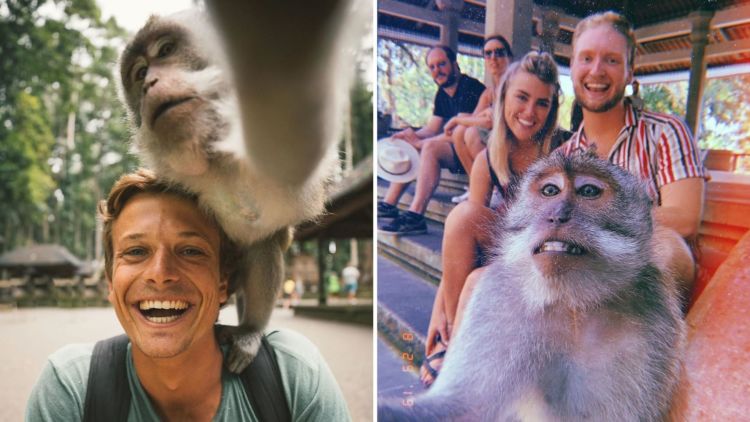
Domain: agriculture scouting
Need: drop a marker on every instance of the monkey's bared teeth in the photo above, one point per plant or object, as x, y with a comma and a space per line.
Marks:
558, 246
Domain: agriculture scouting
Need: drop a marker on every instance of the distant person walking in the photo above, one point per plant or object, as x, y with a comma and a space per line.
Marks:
351, 280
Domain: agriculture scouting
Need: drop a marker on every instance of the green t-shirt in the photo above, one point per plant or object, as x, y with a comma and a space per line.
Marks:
310, 388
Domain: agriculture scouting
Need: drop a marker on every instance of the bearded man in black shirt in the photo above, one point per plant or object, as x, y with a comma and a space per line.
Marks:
457, 93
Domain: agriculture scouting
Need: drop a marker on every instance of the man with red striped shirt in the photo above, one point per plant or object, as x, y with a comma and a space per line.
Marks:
656, 146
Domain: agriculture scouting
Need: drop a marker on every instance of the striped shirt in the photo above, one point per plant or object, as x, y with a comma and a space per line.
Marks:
656, 146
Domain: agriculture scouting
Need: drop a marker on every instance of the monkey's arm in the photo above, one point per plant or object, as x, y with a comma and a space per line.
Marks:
682, 206
285, 60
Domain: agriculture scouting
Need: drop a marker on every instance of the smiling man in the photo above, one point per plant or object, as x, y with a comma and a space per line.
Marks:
655, 146
169, 267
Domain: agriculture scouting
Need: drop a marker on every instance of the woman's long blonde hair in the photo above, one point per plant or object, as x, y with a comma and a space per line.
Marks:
543, 66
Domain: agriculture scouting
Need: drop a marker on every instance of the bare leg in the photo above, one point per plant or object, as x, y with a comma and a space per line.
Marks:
462, 150
394, 192
467, 232
436, 154
474, 144
471, 283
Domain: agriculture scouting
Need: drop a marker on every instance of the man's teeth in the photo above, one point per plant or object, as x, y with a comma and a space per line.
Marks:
162, 320
162, 311
162, 304
597, 87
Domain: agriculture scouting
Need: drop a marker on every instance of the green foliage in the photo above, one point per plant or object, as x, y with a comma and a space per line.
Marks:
361, 120
725, 114
24, 174
54, 72
670, 99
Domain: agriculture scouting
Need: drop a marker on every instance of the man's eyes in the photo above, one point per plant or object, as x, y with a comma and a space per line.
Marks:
136, 251
191, 251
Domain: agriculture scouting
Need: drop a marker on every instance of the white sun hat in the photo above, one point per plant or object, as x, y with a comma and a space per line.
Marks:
398, 161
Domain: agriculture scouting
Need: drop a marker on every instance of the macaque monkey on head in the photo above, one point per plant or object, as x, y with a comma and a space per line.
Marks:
249, 125
573, 320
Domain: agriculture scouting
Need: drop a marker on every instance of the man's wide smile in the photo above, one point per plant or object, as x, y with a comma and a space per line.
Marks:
163, 311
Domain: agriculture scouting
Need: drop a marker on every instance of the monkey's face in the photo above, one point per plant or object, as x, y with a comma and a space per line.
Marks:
171, 82
166, 284
576, 219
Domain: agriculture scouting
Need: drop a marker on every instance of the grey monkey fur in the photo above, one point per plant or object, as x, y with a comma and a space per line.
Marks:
598, 342
193, 127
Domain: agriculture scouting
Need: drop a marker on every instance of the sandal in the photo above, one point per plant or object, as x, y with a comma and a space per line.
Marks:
429, 366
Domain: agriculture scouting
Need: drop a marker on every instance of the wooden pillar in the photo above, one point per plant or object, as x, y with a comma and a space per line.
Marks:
451, 18
323, 283
701, 21
513, 20
550, 28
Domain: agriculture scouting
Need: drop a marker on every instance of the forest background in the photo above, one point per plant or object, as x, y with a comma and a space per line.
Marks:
64, 136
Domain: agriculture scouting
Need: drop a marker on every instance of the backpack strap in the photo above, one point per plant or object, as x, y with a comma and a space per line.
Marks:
108, 389
263, 386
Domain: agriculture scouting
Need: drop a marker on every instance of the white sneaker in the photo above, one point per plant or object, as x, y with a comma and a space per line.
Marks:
496, 199
461, 198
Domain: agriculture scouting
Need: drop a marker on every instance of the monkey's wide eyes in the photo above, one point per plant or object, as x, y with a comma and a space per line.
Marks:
166, 49
589, 191
140, 73
550, 190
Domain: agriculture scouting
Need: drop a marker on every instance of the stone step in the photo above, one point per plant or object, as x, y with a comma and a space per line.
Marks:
437, 209
421, 253
404, 309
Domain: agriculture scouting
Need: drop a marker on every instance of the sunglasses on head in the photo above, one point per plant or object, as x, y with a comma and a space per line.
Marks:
498, 53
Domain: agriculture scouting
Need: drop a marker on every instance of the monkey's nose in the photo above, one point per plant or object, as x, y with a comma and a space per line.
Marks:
149, 83
560, 213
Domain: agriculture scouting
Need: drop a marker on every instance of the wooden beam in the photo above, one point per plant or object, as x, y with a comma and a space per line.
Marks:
669, 29
423, 40
732, 16
683, 55
562, 50
567, 22
432, 17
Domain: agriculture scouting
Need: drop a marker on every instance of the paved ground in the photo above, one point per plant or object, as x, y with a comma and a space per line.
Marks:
28, 336
394, 377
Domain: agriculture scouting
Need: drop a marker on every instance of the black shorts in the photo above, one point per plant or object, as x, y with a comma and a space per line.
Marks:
459, 168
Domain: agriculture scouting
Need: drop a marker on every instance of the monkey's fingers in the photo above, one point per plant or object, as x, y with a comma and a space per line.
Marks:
245, 347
